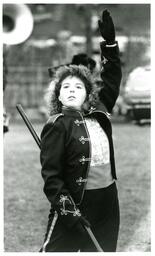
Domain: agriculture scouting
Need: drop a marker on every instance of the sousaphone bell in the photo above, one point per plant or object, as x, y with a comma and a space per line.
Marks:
17, 23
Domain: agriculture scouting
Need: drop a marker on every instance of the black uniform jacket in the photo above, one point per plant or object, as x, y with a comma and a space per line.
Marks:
66, 147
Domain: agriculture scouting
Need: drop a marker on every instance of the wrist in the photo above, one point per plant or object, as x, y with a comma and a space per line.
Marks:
110, 42
111, 45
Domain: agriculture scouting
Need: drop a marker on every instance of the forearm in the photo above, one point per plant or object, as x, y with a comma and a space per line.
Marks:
110, 73
111, 67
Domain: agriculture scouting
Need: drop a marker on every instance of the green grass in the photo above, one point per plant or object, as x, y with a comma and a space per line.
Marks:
26, 208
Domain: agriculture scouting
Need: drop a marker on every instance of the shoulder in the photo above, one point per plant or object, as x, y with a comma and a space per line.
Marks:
52, 119
53, 123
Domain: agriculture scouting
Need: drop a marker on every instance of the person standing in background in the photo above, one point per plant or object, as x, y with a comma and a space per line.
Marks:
5, 72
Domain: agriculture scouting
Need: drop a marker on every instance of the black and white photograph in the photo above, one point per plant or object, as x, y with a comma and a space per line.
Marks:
76, 126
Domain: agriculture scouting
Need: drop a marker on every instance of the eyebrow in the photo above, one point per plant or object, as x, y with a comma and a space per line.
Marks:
80, 83
70, 83
65, 83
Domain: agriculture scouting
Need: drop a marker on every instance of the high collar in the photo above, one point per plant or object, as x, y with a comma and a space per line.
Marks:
75, 113
71, 112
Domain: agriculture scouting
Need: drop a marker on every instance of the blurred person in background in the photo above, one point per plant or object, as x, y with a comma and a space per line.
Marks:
85, 60
5, 121
5, 72
77, 154
63, 48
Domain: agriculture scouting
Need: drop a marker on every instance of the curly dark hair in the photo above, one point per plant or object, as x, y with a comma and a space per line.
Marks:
79, 71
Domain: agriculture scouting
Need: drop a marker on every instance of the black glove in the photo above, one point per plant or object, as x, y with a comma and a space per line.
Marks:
106, 27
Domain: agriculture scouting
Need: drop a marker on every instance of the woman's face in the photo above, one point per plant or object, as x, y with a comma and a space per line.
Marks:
72, 92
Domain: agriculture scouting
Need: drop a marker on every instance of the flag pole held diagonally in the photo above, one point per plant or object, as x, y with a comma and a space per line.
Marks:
36, 138
28, 124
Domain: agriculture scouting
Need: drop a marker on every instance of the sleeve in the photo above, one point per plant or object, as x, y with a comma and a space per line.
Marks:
52, 158
111, 75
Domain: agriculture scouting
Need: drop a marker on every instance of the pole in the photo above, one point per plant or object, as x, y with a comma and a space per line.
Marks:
35, 136
28, 124
94, 240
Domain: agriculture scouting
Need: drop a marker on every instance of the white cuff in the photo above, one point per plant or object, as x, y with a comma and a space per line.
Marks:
111, 45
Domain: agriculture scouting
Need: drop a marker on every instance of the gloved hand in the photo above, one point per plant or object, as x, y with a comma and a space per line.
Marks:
106, 27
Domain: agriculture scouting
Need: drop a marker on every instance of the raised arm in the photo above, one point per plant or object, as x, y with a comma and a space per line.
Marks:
111, 68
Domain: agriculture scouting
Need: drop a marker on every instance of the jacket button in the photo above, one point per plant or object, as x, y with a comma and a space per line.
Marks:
78, 122
80, 181
83, 140
83, 159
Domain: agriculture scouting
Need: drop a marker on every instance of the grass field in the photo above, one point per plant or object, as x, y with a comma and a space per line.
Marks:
26, 208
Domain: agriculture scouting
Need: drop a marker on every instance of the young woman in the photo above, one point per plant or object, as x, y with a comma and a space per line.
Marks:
77, 154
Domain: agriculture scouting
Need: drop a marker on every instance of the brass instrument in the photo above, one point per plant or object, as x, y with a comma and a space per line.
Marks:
17, 23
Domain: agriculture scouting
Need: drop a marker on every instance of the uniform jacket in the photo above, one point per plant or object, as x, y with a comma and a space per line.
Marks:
66, 146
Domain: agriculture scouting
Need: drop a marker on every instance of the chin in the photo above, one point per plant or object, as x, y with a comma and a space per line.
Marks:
71, 106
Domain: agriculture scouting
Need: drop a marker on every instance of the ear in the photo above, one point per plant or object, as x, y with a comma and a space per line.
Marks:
85, 106
59, 98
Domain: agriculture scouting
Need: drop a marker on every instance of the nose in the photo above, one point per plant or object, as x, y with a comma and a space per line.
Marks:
72, 90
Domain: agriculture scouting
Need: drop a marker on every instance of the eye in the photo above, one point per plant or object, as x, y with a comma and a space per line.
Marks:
65, 86
79, 86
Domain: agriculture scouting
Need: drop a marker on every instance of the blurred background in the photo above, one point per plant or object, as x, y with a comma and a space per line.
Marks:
43, 36
61, 31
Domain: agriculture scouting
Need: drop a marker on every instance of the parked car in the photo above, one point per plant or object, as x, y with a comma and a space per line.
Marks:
137, 94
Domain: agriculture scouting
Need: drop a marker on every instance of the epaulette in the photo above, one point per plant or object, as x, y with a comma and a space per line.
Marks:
53, 118
108, 115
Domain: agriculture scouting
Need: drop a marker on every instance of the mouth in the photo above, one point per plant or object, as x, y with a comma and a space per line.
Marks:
71, 97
